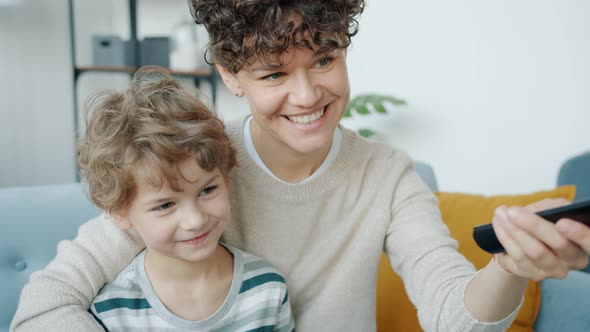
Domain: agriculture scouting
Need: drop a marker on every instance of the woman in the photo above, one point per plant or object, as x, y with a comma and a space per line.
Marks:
318, 201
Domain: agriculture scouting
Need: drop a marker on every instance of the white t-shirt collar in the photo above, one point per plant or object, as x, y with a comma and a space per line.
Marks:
334, 149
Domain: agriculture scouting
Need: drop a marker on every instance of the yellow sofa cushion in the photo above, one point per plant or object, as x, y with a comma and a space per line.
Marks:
461, 212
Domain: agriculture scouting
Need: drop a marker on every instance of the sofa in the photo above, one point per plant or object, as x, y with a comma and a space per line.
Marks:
35, 218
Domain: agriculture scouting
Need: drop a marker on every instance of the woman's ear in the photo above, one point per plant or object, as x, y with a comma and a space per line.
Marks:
121, 220
191, 8
230, 80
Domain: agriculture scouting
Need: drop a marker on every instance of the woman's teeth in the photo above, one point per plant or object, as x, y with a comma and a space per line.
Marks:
307, 119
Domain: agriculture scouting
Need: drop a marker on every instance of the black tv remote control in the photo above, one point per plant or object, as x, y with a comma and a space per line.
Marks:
486, 239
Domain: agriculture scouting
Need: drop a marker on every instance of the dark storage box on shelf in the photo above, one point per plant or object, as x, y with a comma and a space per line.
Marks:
112, 51
155, 51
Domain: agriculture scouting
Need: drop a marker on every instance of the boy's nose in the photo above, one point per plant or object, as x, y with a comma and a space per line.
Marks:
304, 92
193, 218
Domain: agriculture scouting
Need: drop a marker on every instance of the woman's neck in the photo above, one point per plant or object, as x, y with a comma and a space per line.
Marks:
285, 163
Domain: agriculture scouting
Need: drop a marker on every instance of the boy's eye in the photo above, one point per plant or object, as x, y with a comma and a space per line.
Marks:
273, 76
324, 62
207, 191
163, 207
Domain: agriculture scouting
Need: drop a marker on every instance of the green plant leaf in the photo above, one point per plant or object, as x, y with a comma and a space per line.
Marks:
367, 133
379, 108
347, 113
360, 100
360, 104
362, 109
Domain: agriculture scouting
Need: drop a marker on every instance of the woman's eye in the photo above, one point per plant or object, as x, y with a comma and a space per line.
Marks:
163, 207
324, 62
207, 191
273, 76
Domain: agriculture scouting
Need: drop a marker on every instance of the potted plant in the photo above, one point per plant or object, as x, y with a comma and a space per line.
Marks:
368, 104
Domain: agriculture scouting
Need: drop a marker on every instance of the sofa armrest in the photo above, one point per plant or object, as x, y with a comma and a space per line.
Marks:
426, 173
34, 220
564, 304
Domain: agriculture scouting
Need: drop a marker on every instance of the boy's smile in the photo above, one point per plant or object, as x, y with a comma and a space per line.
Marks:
181, 225
197, 240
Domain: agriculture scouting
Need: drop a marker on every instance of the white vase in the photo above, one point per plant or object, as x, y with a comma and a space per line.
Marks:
187, 52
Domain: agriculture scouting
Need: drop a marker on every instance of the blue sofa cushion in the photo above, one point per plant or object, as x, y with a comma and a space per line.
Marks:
34, 220
576, 170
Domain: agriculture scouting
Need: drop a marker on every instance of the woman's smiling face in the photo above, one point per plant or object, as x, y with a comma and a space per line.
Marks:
298, 104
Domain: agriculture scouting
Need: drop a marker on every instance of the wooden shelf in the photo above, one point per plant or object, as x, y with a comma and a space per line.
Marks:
204, 74
131, 70
105, 69
195, 73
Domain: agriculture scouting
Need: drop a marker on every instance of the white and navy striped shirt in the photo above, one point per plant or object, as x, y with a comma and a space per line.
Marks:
257, 301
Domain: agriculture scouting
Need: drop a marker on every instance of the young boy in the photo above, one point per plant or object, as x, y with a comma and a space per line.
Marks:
157, 160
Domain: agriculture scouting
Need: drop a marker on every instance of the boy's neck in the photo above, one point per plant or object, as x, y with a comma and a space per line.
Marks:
191, 291
169, 269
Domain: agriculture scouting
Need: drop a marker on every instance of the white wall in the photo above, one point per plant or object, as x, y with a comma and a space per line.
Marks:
35, 89
496, 89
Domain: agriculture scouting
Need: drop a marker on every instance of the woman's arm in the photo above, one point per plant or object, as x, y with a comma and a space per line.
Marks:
494, 293
435, 274
58, 297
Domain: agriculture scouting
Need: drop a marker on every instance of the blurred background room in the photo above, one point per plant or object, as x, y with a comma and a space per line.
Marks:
497, 92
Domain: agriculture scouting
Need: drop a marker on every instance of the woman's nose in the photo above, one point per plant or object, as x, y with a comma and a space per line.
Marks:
305, 93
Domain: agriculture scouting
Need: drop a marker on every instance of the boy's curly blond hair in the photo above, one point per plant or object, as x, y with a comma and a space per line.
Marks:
146, 131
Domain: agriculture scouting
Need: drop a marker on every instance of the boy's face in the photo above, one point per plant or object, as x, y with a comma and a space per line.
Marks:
183, 225
298, 105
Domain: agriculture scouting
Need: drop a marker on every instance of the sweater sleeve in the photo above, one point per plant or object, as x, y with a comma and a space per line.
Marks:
422, 252
57, 298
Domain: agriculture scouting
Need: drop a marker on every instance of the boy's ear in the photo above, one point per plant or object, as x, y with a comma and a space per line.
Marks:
121, 220
230, 80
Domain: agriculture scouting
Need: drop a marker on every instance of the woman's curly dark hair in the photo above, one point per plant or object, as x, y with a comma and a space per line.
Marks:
243, 30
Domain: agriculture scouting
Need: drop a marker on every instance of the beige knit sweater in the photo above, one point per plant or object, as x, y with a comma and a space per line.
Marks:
325, 235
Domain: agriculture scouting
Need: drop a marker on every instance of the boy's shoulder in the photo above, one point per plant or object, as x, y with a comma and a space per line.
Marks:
256, 269
126, 282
